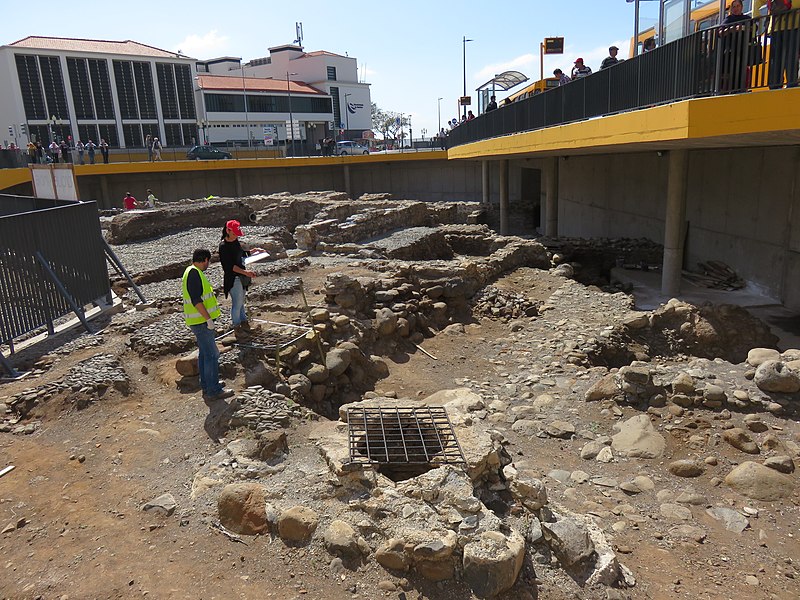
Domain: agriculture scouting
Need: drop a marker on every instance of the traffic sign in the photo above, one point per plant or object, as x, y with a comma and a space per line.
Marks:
554, 45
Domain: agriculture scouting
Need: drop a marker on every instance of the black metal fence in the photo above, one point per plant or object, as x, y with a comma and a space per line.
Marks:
51, 261
751, 54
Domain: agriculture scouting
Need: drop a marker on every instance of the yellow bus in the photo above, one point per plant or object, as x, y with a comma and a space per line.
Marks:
536, 87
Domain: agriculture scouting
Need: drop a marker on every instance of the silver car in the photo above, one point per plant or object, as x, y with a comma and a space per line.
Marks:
348, 147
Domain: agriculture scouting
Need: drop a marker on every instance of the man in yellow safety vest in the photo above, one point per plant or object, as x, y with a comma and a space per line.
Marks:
200, 308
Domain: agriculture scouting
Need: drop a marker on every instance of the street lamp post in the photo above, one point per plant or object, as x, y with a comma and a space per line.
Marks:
440, 115
347, 111
465, 72
291, 116
410, 134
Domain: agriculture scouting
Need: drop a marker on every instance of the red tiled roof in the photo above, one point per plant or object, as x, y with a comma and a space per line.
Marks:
255, 84
128, 47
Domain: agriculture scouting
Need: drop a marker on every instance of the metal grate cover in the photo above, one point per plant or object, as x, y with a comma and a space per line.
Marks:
276, 336
403, 436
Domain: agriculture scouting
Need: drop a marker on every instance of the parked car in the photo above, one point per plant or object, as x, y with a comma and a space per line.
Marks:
207, 153
348, 147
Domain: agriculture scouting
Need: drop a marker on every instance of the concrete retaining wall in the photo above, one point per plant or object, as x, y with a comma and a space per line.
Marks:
432, 180
743, 208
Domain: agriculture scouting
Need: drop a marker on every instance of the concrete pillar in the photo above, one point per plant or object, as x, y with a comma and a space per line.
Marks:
504, 197
105, 193
347, 188
675, 220
551, 197
487, 199
238, 175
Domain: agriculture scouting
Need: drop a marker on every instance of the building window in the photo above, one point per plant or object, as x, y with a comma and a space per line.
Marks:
173, 131
101, 89
109, 134
190, 136
126, 92
53, 85
133, 135
185, 84
88, 132
32, 99
145, 92
39, 133
81, 89
337, 113
331, 73
224, 103
166, 89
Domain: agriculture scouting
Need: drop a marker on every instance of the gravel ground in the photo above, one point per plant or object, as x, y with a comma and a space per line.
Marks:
174, 248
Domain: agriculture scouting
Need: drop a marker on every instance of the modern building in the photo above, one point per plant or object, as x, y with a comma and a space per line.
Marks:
121, 91
289, 70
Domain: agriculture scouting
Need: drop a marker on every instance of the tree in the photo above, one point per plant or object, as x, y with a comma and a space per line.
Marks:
386, 124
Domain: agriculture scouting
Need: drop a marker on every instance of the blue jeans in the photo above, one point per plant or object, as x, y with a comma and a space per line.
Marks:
237, 303
208, 363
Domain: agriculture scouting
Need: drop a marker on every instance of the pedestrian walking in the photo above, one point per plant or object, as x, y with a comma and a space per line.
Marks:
104, 150
148, 143
156, 149
90, 150
200, 310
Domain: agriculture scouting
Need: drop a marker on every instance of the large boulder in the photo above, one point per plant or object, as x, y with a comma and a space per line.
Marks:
241, 508
493, 562
775, 376
637, 438
569, 540
741, 440
341, 540
759, 482
297, 524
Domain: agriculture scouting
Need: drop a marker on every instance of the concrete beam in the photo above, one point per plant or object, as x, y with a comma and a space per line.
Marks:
238, 176
551, 197
675, 222
504, 197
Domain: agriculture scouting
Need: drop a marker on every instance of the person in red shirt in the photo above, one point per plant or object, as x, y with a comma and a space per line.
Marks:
129, 201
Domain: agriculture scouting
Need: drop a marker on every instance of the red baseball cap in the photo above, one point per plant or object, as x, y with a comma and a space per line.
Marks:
235, 227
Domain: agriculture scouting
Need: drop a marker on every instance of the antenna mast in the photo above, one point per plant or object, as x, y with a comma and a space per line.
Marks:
298, 27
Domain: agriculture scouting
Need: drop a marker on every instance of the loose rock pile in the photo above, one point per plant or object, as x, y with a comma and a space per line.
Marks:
84, 383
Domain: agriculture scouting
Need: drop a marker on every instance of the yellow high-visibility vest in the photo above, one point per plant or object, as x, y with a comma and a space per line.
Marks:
190, 313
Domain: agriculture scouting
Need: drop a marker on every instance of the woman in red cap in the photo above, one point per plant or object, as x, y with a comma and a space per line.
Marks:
237, 278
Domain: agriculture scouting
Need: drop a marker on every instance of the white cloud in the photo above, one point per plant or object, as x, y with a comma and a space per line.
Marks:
210, 45
524, 63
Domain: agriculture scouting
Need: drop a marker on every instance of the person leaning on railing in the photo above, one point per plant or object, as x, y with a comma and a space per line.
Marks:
735, 41
784, 34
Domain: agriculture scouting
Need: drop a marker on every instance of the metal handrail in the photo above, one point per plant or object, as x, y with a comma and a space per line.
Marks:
729, 59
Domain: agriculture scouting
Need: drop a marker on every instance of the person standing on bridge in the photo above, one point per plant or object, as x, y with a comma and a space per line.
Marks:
200, 310
784, 35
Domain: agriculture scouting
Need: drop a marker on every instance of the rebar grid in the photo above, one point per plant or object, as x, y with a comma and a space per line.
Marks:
402, 436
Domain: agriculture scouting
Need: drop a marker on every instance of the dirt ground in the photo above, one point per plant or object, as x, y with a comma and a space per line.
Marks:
74, 527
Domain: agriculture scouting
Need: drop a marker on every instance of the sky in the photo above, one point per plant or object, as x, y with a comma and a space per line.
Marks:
409, 52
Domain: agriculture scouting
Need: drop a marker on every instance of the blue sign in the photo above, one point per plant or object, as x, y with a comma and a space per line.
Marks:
397, 121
